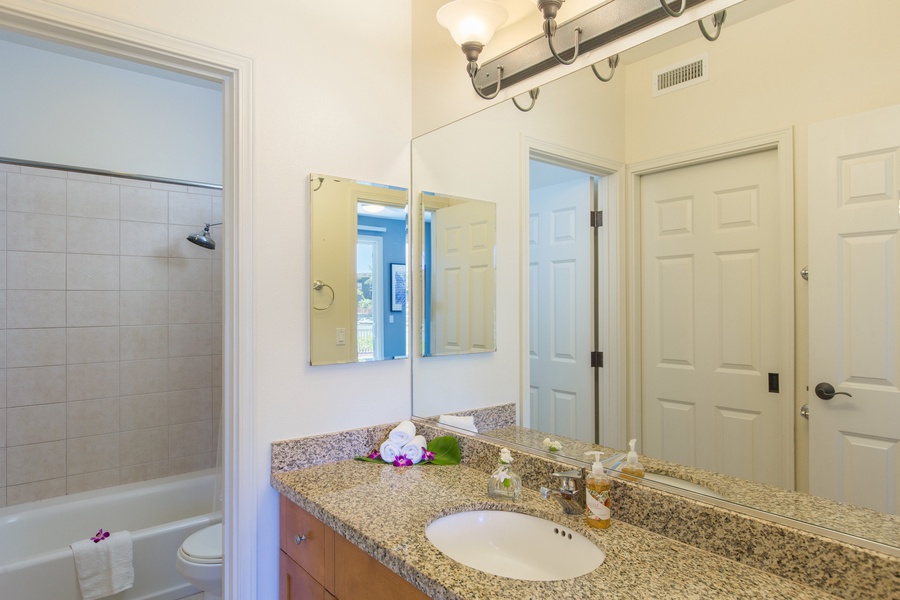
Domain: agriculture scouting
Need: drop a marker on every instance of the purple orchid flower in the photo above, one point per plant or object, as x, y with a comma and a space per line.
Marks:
374, 455
427, 455
402, 461
101, 535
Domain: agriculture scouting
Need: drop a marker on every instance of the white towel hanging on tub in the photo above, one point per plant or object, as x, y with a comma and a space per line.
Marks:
104, 567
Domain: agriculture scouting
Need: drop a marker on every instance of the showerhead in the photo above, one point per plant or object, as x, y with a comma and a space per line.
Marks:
201, 238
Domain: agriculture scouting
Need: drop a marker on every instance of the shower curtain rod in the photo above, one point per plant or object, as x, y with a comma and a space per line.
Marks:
42, 165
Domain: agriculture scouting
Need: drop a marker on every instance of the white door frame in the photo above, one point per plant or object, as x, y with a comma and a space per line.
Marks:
106, 36
610, 317
378, 278
782, 142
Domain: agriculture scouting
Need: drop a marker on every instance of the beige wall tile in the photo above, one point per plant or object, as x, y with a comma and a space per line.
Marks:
186, 464
191, 340
91, 381
143, 204
144, 239
190, 307
3, 179
143, 472
35, 347
3, 257
143, 376
144, 308
216, 402
35, 270
36, 194
92, 236
169, 187
34, 232
35, 424
92, 417
144, 273
217, 275
94, 453
3, 436
73, 176
190, 373
143, 342
92, 272
35, 385
91, 481
186, 439
92, 344
35, 462
35, 308
217, 369
189, 209
39, 490
3, 378
3, 470
92, 309
141, 412
190, 274
190, 405
143, 446
92, 199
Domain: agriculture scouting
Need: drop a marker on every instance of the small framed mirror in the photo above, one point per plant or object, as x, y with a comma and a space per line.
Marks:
458, 275
358, 248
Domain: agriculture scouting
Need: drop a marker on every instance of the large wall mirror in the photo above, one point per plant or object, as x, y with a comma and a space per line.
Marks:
358, 249
458, 276
706, 361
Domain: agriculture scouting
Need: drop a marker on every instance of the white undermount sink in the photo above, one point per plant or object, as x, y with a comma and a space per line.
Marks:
514, 545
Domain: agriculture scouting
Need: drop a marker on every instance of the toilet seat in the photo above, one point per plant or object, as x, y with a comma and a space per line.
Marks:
203, 547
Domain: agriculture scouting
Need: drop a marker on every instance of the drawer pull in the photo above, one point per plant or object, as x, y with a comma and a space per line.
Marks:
299, 538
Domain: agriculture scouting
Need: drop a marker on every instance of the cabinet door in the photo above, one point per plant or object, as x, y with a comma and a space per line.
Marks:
296, 584
314, 549
358, 575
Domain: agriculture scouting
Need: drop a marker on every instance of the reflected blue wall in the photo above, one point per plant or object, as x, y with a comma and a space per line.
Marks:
393, 251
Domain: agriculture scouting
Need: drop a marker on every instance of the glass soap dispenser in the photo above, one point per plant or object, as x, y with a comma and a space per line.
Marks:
632, 470
596, 495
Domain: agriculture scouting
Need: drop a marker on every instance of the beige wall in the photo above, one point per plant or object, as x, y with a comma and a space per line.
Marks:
804, 62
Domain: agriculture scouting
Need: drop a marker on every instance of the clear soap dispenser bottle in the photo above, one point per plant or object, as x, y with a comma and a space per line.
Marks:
597, 486
632, 469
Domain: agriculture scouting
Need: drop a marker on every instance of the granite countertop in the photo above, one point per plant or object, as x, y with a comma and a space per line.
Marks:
385, 510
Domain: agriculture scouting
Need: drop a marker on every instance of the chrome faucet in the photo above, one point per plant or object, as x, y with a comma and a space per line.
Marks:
567, 495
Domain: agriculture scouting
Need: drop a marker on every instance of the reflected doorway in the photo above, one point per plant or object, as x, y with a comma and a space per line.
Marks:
369, 282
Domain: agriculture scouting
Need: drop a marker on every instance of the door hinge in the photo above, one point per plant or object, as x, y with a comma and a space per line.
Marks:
596, 359
596, 218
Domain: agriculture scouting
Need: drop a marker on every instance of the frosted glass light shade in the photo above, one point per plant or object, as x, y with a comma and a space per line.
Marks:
472, 20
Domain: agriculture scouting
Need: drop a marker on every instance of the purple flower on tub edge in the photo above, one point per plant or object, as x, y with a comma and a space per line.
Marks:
101, 535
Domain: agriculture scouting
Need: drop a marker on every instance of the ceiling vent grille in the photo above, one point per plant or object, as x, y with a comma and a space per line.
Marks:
681, 75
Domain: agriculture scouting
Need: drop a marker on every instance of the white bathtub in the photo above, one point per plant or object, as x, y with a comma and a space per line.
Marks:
35, 559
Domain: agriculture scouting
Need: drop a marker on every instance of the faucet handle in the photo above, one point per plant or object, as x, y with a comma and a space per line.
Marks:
568, 480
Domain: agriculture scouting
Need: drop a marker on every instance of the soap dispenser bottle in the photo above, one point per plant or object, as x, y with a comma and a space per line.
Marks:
632, 470
597, 486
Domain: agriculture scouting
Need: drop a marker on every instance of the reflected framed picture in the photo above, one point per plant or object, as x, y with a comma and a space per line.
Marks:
398, 287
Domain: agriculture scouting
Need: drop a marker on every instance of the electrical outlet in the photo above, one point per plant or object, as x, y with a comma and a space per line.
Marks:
341, 336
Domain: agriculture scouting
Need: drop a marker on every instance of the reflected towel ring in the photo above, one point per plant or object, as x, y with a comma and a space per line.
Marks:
613, 63
533, 94
318, 284
718, 20
670, 11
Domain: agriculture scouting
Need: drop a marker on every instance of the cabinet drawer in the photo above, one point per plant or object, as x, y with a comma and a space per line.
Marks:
308, 542
297, 584
361, 576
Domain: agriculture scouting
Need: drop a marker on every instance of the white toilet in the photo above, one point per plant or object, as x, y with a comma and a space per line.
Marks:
200, 561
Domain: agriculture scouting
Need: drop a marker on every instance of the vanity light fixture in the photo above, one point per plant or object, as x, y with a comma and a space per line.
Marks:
472, 24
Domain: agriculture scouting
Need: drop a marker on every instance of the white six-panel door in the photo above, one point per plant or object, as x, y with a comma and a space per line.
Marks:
854, 308
463, 281
560, 311
711, 317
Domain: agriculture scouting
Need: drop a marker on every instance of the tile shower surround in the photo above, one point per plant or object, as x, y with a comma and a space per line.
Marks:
110, 332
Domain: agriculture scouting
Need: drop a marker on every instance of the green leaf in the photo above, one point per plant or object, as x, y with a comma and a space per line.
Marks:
367, 459
446, 450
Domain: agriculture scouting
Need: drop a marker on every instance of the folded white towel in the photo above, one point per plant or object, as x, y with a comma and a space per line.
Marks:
467, 423
389, 451
402, 433
104, 568
413, 450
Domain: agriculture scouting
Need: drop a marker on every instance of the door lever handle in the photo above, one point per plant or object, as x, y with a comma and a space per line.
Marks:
825, 391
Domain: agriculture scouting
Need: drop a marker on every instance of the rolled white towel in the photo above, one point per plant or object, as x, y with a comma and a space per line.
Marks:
402, 433
467, 423
413, 450
104, 567
389, 451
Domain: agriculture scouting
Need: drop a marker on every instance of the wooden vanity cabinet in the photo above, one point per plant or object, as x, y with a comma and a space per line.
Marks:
318, 564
